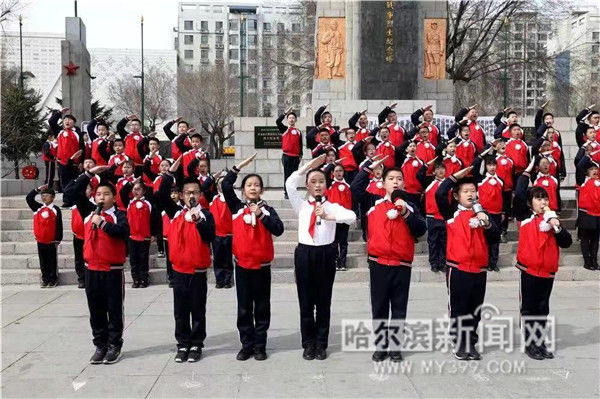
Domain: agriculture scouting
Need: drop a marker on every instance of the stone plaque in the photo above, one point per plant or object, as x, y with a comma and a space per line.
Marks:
267, 137
331, 49
435, 48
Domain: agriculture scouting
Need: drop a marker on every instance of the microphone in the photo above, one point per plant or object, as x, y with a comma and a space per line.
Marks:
98, 211
398, 194
477, 208
548, 215
193, 204
252, 215
318, 200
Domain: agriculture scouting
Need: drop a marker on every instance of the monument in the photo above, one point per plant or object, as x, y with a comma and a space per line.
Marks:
372, 53
75, 79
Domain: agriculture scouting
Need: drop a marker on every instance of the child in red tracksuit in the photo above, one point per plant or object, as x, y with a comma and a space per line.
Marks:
436, 228
221, 245
128, 177
48, 231
540, 237
78, 230
588, 212
410, 165
104, 250
550, 183
393, 225
254, 225
118, 158
49, 157
339, 193
505, 169
190, 233
489, 190
466, 258
166, 225
517, 150
139, 211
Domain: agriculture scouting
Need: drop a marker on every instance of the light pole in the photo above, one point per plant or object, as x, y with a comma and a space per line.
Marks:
21, 50
143, 105
242, 62
506, 40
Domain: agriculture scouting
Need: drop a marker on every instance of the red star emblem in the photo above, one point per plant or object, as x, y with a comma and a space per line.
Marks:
71, 68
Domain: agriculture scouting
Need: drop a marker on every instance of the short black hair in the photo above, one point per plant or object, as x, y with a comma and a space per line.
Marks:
490, 160
112, 188
260, 180
118, 139
325, 113
190, 180
594, 112
292, 113
461, 182
509, 113
439, 164
536, 192
198, 135
513, 125
184, 122
154, 139
91, 159
393, 169
102, 124
315, 170
324, 129
546, 114
48, 190
334, 152
69, 116
136, 120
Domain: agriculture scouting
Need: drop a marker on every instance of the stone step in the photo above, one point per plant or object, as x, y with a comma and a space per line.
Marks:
419, 274
283, 261
281, 247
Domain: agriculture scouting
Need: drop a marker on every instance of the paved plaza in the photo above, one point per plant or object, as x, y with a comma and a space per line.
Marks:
46, 344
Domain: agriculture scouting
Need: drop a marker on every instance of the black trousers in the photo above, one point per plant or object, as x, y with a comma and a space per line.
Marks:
253, 288
589, 243
290, 165
436, 241
160, 242
79, 262
415, 200
506, 209
139, 253
466, 292
67, 173
535, 305
189, 294
341, 243
48, 262
314, 268
105, 293
169, 264
50, 171
493, 241
222, 259
389, 290
349, 176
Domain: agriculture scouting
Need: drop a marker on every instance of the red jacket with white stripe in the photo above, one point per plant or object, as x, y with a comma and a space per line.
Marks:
386, 148
291, 142
466, 248
453, 164
77, 223
517, 150
465, 151
477, 135
68, 144
410, 167
589, 197
223, 219
96, 154
339, 193
375, 187
345, 151
117, 159
105, 248
489, 191
505, 170
119, 186
47, 220
390, 236
131, 150
426, 152
431, 208
188, 251
550, 184
138, 216
396, 135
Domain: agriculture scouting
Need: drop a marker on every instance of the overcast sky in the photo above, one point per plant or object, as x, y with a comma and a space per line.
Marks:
109, 23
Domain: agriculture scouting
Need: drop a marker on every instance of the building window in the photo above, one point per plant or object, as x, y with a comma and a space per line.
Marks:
267, 42
234, 54
234, 69
252, 54
204, 39
252, 40
219, 26
267, 27
280, 99
252, 24
188, 25
252, 69
188, 54
217, 9
252, 83
595, 49
296, 27
204, 54
280, 27
188, 39
233, 40
595, 35
219, 40
233, 24
219, 55
189, 68
204, 26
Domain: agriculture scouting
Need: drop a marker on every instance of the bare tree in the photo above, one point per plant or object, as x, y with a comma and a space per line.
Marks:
290, 54
159, 90
209, 96
8, 11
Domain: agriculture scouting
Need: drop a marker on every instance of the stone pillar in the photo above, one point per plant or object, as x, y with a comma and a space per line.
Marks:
76, 81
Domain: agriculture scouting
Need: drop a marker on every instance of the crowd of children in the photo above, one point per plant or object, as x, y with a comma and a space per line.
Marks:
460, 189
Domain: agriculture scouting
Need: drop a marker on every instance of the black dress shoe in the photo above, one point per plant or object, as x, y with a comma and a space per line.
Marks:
170, 284
462, 354
219, 285
320, 353
228, 285
309, 353
379, 356
136, 284
545, 352
260, 354
534, 352
434, 268
81, 284
396, 356
244, 354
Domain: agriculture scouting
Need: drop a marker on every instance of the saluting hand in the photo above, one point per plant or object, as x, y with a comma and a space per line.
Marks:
463, 172
247, 161
98, 169
175, 165
76, 154
544, 104
42, 187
